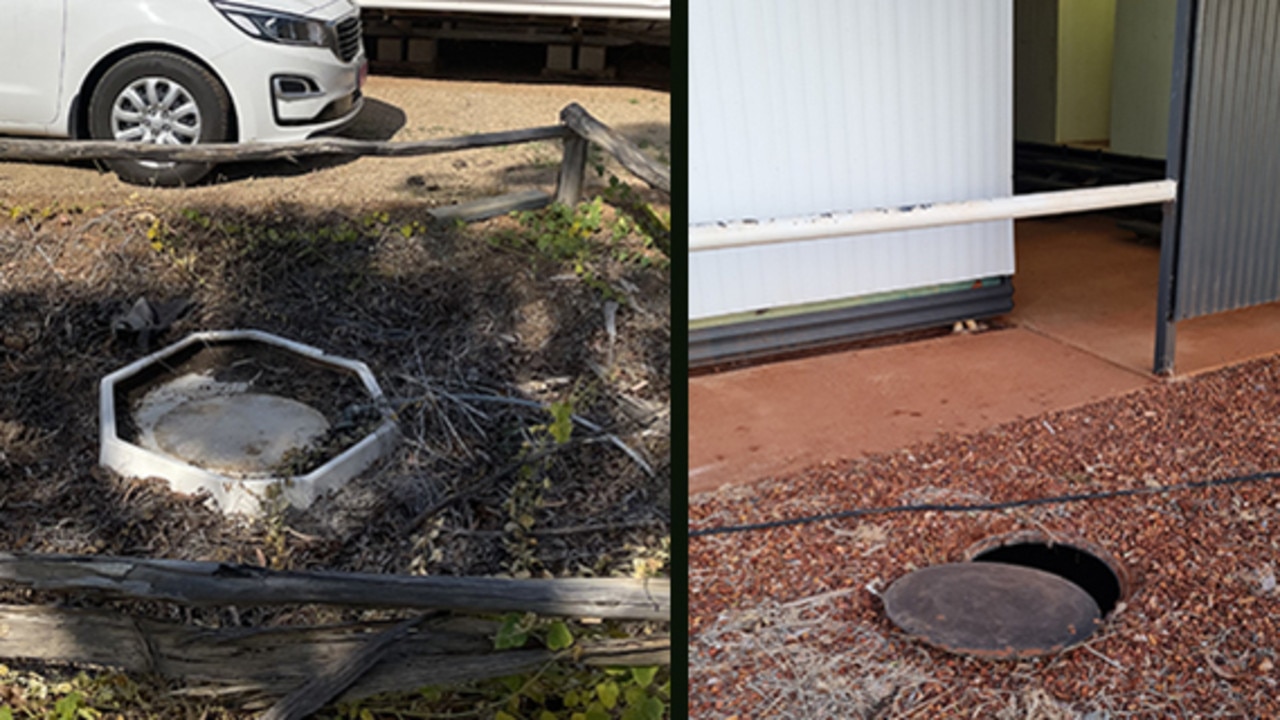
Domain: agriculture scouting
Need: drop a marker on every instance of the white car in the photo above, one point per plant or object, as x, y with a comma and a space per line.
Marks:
179, 72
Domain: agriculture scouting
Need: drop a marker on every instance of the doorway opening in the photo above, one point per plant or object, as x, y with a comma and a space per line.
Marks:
1091, 108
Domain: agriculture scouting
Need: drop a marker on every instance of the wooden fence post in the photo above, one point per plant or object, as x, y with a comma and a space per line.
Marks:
573, 170
577, 119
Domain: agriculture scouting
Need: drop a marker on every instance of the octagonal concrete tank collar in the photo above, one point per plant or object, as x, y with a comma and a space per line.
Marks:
239, 495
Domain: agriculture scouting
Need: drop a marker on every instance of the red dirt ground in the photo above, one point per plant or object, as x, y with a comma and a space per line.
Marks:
788, 623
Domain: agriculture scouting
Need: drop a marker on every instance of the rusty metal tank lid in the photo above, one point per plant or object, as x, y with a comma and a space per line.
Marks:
991, 609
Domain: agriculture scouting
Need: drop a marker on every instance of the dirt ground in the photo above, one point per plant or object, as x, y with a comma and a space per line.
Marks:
473, 333
398, 109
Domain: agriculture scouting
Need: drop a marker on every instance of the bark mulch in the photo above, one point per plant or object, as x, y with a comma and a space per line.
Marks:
787, 622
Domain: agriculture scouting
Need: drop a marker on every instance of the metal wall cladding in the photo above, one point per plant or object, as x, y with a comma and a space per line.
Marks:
1229, 252
801, 107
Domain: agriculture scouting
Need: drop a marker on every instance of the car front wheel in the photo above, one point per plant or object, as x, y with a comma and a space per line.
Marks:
162, 98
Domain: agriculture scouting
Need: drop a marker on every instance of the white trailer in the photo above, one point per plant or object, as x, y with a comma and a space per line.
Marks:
620, 9
576, 33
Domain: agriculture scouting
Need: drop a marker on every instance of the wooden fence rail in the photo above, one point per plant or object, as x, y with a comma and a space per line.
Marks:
256, 666
210, 583
52, 150
577, 128
302, 668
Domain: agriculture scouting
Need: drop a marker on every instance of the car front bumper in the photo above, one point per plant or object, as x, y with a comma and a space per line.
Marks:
282, 94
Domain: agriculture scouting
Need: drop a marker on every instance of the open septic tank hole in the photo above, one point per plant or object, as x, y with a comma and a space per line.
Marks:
236, 413
1017, 596
1081, 567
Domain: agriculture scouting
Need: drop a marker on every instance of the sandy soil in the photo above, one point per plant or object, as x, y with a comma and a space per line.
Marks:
398, 109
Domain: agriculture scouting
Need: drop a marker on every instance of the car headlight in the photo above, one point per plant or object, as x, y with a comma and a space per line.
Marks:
274, 26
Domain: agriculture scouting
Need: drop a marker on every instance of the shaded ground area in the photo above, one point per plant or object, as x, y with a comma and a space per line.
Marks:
473, 333
435, 315
787, 622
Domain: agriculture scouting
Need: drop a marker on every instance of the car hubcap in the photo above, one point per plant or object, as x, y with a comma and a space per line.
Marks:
156, 110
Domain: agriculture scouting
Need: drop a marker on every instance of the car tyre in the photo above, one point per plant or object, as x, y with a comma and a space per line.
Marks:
159, 97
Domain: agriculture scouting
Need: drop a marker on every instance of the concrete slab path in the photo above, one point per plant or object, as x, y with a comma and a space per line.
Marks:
773, 419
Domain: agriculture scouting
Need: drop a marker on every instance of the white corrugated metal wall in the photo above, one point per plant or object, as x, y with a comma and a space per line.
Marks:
800, 107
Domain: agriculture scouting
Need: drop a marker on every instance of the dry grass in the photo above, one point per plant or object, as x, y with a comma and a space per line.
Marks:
798, 672
471, 340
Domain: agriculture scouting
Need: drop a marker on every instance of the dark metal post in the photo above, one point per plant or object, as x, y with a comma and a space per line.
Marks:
1184, 52
1165, 330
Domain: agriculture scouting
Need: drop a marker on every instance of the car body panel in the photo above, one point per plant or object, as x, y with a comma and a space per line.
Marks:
96, 33
310, 8
30, 81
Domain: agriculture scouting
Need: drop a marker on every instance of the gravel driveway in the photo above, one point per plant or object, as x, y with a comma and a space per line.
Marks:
398, 109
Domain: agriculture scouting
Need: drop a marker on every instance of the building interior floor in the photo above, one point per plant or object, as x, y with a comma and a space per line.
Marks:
1092, 285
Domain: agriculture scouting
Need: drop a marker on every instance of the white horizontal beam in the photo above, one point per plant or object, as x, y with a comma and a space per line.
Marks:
715, 236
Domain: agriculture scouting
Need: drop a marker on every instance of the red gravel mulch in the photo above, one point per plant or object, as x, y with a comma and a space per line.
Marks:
787, 622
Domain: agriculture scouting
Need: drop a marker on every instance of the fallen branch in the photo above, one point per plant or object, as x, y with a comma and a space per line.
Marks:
259, 666
486, 208
208, 583
581, 121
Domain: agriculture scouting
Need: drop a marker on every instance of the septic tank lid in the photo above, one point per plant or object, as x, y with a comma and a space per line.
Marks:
992, 609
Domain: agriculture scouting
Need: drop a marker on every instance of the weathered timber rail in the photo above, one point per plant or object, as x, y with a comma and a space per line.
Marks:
302, 668
209, 583
258, 665
52, 150
578, 128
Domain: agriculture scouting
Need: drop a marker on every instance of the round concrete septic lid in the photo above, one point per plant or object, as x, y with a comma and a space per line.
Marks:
992, 609
244, 434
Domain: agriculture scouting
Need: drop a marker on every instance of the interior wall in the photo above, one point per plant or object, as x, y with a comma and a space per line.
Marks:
1035, 70
1141, 77
1086, 37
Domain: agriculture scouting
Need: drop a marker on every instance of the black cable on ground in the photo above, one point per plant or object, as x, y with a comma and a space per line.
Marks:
985, 507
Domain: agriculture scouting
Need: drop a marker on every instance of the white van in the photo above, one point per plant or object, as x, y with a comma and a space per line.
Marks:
179, 72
